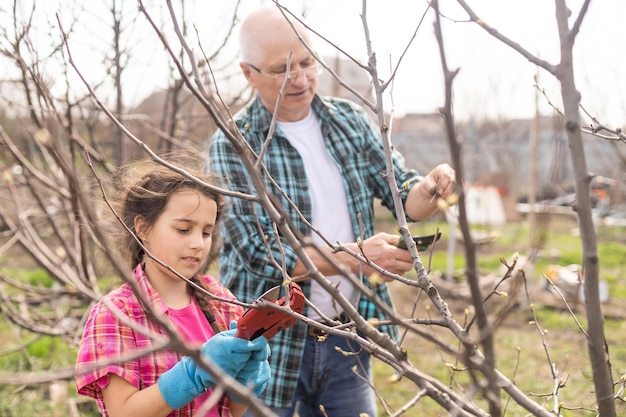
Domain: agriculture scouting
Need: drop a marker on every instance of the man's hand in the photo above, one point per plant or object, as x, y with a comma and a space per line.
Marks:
436, 190
382, 249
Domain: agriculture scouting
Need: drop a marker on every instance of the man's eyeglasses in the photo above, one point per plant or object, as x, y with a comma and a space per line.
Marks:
309, 72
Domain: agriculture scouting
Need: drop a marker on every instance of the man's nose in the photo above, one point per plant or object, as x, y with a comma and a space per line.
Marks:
298, 77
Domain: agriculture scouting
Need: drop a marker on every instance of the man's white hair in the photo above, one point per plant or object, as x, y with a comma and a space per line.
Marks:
260, 22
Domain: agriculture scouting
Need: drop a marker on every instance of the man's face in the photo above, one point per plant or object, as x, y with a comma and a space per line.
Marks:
268, 76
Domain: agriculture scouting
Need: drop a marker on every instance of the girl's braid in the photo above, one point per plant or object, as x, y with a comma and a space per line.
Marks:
204, 301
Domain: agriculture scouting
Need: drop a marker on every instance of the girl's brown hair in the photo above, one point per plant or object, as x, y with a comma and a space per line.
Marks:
146, 187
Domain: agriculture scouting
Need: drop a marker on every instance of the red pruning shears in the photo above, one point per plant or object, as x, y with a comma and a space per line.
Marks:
267, 321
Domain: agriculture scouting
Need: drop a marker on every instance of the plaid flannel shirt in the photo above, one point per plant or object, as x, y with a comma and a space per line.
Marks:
107, 337
355, 145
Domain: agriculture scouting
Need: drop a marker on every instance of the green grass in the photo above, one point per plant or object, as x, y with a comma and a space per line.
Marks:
522, 352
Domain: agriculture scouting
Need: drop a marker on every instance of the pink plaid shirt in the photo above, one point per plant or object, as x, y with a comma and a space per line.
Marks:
107, 337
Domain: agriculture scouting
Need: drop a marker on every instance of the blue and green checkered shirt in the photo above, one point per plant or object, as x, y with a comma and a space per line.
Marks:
355, 145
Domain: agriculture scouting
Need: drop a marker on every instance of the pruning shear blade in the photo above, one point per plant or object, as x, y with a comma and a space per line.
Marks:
422, 242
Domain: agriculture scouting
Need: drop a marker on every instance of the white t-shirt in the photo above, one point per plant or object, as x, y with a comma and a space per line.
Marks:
328, 200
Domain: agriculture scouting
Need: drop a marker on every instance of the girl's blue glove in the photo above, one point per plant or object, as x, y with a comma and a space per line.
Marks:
256, 372
186, 380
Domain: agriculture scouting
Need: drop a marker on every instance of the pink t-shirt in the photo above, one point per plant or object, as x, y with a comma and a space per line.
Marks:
192, 325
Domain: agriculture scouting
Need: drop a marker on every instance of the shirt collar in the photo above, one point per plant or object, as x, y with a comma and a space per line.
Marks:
260, 117
150, 294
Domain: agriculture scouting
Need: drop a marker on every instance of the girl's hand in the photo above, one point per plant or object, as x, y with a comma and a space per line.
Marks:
187, 380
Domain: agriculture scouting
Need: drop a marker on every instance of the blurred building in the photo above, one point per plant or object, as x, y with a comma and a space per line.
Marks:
499, 154
350, 74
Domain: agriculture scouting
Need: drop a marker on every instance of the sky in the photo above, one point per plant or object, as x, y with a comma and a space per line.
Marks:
493, 81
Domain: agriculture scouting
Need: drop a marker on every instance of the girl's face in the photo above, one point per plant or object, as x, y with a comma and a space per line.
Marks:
181, 235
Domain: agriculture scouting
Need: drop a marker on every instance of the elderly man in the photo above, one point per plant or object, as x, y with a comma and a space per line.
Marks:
327, 157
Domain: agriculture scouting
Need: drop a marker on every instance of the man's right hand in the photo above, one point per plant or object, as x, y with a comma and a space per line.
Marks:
382, 249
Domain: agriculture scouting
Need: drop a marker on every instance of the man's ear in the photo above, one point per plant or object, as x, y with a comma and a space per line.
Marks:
247, 72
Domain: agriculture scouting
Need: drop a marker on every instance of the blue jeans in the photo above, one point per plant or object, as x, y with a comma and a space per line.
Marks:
327, 379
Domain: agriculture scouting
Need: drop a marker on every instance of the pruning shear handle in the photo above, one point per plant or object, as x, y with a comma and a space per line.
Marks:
267, 321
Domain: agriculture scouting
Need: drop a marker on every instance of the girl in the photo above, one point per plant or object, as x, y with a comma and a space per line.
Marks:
172, 219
